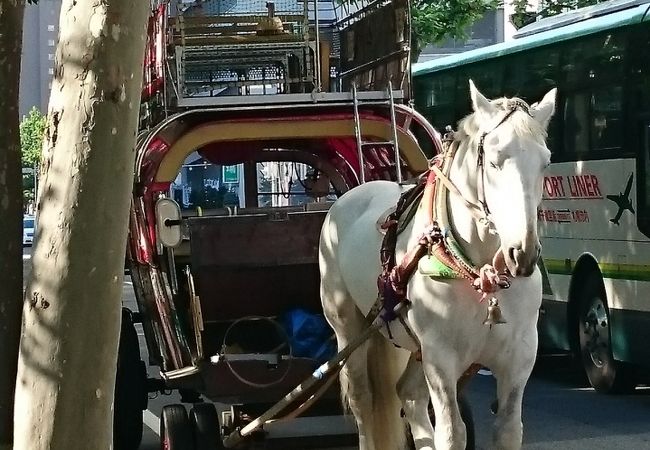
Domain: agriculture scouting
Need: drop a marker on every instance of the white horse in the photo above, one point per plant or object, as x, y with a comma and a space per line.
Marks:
445, 315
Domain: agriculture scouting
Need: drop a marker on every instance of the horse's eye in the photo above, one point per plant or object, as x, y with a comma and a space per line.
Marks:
494, 165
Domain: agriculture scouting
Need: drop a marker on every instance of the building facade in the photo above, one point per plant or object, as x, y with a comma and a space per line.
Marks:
493, 28
40, 33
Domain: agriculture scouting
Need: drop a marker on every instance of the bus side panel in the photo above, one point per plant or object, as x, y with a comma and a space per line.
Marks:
629, 327
553, 325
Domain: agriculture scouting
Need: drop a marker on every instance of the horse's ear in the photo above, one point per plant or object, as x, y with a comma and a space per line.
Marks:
543, 110
480, 104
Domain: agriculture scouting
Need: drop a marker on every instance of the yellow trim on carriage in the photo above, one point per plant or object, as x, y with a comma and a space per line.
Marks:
281, 130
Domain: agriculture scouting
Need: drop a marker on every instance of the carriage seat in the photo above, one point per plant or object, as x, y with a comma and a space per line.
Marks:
183, 250
260, 261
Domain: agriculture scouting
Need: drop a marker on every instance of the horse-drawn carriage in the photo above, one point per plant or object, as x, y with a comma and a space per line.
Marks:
255, 119
253, 124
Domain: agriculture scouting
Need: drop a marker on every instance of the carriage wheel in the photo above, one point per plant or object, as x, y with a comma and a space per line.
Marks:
175, 429
605, 374
205, 426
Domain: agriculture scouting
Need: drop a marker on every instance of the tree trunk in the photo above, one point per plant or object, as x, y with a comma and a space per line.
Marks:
68, 350
11, 265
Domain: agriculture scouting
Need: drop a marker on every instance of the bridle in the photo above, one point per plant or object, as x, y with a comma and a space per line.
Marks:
512, 106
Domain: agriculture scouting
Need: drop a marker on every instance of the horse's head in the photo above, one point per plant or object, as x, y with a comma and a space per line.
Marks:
512, 156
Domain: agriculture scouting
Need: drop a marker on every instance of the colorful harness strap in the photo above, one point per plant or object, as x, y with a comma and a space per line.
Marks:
436, 254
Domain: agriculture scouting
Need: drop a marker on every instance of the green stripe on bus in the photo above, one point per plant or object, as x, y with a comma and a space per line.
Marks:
639, 272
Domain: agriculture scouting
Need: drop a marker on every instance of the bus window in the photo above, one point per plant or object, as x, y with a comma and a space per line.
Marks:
441, 90
514, 78
607, 118
607, 61
436, 100
463, 102
533, 74
576, 123
487, 77
593, 60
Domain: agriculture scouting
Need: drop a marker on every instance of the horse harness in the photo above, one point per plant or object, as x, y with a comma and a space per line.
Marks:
435, 242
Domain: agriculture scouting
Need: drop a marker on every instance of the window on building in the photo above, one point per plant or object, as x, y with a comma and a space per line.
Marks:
50, 42
50, 28
50, 56
50, 71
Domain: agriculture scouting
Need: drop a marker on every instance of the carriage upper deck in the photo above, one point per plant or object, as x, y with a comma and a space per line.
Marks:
249, 52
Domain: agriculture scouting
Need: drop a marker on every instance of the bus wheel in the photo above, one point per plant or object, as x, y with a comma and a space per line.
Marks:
205, 425
175, 429
605, 374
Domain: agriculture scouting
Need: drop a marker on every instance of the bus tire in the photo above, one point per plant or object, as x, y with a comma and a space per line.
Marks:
130, 388
205, 426
605, 374
175, 429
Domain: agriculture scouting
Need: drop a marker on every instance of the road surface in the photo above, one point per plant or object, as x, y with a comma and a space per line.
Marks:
560, 410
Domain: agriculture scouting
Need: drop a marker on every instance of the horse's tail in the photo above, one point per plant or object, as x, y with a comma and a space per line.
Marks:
386, 364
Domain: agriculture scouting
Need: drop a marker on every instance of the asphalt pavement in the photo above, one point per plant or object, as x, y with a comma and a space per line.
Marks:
560, 410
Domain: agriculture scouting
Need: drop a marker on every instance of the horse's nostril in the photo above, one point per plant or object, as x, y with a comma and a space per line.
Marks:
511, 254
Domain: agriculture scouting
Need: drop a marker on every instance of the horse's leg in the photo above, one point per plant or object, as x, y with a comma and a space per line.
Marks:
442, 378
413, 391
348, 322
511, 378
369, 379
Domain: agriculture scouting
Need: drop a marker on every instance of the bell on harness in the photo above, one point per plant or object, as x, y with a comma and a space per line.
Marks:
494, 315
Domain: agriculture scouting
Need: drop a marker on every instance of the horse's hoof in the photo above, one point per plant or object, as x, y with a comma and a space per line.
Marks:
494, 407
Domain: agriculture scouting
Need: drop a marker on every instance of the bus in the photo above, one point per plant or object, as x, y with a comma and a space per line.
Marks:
595, 213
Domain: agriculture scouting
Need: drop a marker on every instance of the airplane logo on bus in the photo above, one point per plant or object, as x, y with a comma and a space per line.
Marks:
622, 200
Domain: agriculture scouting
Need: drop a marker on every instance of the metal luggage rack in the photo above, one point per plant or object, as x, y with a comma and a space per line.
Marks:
223, 56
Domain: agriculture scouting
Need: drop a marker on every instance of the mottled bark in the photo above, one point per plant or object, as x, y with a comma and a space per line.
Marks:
68, 350
11, 266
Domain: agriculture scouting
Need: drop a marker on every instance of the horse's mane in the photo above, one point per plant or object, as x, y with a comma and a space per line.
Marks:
521, 122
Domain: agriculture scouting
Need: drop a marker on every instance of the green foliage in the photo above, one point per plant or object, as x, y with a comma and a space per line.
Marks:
436, 20
32, 131
522, 15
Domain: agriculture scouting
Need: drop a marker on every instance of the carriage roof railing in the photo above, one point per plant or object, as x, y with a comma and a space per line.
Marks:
220, 58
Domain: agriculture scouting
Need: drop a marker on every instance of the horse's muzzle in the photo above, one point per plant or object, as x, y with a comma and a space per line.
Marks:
521, 263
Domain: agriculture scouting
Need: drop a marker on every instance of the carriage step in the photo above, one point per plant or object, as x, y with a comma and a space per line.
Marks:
312, 432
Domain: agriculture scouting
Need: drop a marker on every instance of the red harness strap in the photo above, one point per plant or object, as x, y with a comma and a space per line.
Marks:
394, 277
